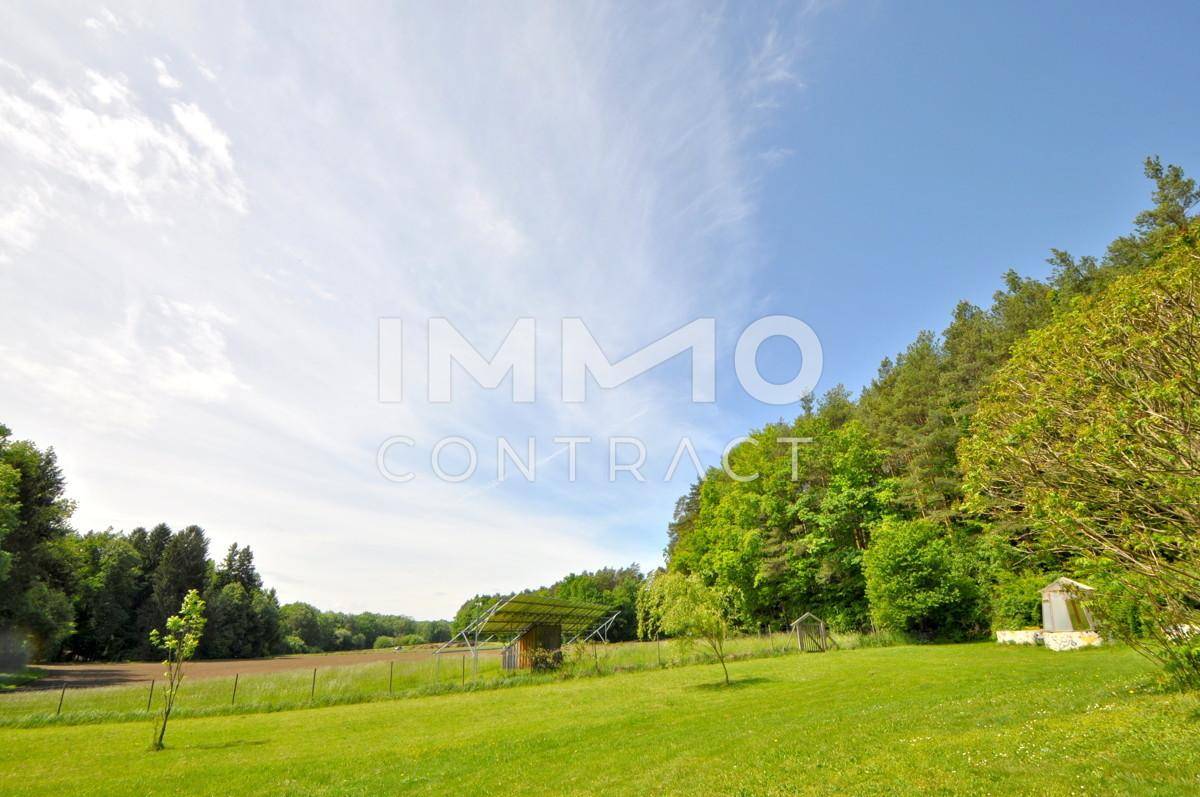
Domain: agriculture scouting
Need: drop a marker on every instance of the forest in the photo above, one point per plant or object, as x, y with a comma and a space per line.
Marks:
96, 596
1051, 433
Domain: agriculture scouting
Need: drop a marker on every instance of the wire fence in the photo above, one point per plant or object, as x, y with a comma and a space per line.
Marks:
379, 680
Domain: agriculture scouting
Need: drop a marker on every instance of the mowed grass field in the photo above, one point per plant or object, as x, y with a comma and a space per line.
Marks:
957, 719
287, 683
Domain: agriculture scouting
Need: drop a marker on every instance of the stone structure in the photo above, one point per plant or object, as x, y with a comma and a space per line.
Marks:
1066, 622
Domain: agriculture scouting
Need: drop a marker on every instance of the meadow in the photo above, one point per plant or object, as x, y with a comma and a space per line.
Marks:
954, 719
342, 683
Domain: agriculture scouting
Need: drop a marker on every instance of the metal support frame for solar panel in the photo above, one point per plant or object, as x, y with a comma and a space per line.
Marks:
600, 630
506, 620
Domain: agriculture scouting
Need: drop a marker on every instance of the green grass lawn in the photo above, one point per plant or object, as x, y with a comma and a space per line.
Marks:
335, 685
961, 719
339, 685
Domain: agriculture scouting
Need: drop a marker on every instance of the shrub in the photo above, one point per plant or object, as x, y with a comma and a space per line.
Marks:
410, 639
919, 580
382, 642
294, 644
546, 660
1017, 599
853, 640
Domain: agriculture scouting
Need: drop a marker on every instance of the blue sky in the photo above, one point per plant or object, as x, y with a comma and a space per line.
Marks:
204, 216
958, 140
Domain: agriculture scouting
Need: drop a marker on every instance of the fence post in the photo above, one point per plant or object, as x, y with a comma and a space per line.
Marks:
233, 699
391, 671
61, 695
150, 697
313, 692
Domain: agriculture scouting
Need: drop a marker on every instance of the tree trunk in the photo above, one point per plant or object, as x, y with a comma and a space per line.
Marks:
173, 679
718, 649
162, 731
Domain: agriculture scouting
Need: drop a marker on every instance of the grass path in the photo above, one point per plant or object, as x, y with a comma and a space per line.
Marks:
964, 719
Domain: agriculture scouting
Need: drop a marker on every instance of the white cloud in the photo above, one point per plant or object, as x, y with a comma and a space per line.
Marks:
204, 70
201, 129
63, 140
21, 214
162, 351
183, 347
771, 71
108, 90
165, 78
105, 22
541, 161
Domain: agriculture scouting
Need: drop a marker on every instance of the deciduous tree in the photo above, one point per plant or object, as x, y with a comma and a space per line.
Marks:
686, 608
179, 640
1089, 434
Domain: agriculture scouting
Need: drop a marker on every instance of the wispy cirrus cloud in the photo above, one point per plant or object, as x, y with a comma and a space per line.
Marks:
95, 136
165, 78
122, 378
104, 22
209, 226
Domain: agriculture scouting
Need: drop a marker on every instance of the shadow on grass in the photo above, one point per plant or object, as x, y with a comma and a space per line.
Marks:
736, 683
224, 745
27, 678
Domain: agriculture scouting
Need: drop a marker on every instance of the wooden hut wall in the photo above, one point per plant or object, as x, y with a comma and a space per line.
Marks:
546, 637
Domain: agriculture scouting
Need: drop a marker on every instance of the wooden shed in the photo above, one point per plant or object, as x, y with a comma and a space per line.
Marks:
812, 635
521, 653
521, 625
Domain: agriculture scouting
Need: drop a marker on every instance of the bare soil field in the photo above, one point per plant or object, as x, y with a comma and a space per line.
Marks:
79, 676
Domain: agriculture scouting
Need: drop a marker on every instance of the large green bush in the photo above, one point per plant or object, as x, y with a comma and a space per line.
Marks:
294, 644
1016, 600
919, 579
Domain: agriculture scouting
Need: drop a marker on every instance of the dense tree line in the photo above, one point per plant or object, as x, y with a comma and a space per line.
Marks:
96, 596
306, 629
1072, 400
